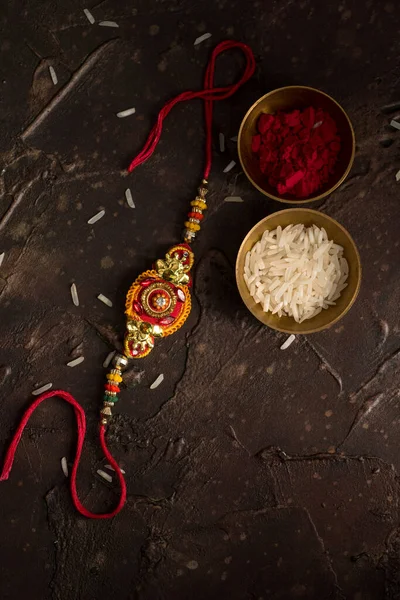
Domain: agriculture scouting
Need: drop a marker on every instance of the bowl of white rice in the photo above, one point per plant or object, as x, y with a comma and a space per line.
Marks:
298, 271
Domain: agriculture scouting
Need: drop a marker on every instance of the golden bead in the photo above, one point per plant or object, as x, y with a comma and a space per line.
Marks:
104, 422
192, 226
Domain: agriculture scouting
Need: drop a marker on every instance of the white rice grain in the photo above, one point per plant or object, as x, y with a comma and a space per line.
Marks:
202, 38
89, 16
104, 475
234, 138
64, 466
129, 199
112, 469
105, 300
108, 359
289, 341
76, 361
126, 113
42, 389
395, 124
398, 176
157, 382
229, 166
96, 217
74, 295
108, 24
2, 255
53, 75
233, 199
222, 142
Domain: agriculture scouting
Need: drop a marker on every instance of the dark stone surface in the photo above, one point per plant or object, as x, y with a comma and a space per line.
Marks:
252, 473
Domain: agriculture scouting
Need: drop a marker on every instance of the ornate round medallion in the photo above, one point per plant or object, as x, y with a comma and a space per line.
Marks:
159, 299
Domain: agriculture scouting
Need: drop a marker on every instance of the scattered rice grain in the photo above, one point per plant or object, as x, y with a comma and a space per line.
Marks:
74, 295
126, 113
2, 255
96, 217
42, 389
229, 166
289, 341
222, 142
202, 38
105, 300
76, 361
398, 176
234, 138
395, 124
64, 466
89, 16
108, 24
53, 75
233, 199
104, 475
112, 469
129, 199
108, 359
157, 382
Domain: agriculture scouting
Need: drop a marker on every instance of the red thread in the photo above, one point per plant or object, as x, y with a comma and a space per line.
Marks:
209, 94
81, 424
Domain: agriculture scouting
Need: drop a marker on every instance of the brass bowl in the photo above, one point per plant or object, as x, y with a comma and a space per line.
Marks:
327, 317
286, 99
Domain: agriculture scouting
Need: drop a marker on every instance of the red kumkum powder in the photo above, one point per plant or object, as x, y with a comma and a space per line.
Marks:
297, 150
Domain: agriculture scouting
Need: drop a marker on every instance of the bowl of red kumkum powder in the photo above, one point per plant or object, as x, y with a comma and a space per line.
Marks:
296, 144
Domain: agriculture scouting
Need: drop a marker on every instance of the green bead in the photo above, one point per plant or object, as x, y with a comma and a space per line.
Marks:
108, 398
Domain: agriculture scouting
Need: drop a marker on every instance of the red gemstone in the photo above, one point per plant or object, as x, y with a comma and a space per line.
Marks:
138, 308
146, 282
167, 321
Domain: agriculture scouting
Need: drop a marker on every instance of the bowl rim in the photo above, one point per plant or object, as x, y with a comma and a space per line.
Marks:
312, 329
311, 198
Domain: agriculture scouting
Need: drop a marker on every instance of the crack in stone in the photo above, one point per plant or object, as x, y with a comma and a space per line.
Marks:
75, 81
331, 370
341, 595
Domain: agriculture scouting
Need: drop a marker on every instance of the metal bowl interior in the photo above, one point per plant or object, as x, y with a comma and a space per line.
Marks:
336, 232
286, 99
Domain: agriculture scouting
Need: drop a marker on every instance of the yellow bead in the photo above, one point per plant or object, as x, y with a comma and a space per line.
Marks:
118, 378
111, 377
200, 204
192, 226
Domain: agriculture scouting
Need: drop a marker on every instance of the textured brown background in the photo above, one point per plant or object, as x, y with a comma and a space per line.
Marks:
252, 473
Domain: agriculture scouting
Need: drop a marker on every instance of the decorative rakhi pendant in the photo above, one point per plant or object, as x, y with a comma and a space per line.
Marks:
158, 302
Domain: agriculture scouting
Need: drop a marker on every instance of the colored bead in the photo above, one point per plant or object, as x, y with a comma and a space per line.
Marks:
196, 215
114, 377
112, 388
110, 399
199, 203
192, 226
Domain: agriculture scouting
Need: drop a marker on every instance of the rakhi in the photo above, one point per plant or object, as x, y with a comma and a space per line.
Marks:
158, 302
